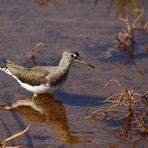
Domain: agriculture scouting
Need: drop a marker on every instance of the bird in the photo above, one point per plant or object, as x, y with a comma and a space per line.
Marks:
43, 79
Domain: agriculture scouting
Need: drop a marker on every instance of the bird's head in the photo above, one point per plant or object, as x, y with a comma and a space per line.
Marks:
73, 56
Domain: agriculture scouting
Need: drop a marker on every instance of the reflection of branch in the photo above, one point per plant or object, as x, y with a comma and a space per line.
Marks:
125, 134
135, 65
143, 127
4, 142
142, 137
32, 52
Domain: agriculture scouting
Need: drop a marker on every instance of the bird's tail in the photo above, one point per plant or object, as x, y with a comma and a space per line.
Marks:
8, 66
3, 64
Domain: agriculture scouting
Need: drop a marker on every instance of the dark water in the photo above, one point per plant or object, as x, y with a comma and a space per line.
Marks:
58, 120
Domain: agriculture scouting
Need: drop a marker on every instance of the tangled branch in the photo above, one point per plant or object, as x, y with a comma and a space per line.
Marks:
127, 103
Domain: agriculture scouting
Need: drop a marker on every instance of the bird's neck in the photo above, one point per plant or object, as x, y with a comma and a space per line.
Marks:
64, 64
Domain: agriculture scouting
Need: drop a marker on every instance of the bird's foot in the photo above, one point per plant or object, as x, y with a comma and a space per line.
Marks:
33, 97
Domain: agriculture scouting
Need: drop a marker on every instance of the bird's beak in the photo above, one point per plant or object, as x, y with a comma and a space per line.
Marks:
80, 60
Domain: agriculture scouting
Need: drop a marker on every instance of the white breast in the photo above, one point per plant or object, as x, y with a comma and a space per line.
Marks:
43, 88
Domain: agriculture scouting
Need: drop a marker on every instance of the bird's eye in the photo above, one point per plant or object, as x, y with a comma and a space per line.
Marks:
72, 56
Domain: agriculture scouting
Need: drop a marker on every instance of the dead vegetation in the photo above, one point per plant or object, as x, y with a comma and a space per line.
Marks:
132, 7
125, 41
31, 54
4, 142
125, 105
121, 7
126, 38
127, 108
126, 134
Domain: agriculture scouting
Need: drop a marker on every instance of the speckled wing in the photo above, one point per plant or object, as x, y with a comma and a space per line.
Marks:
32, 76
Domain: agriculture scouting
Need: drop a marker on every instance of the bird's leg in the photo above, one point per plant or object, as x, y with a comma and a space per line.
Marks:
34, 96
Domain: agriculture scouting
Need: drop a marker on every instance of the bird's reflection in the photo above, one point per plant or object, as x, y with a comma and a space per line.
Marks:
45, 108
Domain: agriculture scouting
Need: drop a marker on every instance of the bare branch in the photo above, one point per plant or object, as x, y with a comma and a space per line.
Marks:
4, 142
138, 18
32, 52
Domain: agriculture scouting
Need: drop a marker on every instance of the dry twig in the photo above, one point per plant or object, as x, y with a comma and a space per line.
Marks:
126, 39
32, 52
123, 5
4, 142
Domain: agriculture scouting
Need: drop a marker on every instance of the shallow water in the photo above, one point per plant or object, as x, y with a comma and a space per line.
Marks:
58, 125
58, 120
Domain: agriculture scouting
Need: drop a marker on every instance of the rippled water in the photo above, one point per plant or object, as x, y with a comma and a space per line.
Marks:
59, 120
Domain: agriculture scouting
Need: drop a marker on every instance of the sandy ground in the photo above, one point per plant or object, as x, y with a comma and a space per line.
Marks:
67, 25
